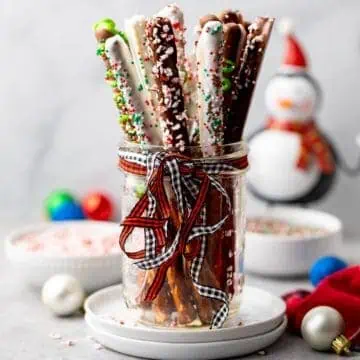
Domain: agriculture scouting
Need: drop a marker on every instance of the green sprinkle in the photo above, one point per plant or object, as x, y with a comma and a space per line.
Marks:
216, 123
100, 51
226, 84
140, 87
216, 29
229, 68
124, 118
207, 97
137, 119
113, 84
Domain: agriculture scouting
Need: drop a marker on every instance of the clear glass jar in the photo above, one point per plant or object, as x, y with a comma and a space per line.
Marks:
178, 303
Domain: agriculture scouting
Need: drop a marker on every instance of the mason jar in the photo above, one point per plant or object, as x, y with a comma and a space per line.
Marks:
179, 302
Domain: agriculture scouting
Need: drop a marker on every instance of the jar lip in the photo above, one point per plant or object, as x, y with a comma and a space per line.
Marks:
236, 149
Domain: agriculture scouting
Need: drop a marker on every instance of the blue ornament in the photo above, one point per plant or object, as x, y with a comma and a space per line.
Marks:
68, 211
324, 267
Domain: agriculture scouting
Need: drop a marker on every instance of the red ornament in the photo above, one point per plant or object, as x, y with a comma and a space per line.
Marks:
97, 206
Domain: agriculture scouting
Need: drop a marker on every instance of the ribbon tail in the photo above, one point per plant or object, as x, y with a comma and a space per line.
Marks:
158, 282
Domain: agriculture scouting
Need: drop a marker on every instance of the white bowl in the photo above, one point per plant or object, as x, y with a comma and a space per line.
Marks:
94, 272
280, 255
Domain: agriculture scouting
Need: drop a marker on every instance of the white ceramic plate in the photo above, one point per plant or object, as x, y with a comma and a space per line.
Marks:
259, 313
94, 272
280, 255
177, 351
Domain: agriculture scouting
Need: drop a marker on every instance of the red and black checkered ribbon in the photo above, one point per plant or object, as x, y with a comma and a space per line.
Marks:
190, 182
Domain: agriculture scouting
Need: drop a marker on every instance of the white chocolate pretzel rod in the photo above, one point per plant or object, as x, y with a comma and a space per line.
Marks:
161, 42
135, 28
126, 76
103, 30
209, 71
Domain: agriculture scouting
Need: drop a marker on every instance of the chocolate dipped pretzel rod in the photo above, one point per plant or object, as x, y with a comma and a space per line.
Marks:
171, 100
175, 15
234, 44
210, 99
257, 39
135, 28
103, 30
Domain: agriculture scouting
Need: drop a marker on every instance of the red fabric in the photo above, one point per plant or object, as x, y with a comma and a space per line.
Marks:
340, 291
294, 54
311, 143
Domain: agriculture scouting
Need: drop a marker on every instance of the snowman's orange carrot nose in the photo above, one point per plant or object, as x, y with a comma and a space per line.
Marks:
285, 103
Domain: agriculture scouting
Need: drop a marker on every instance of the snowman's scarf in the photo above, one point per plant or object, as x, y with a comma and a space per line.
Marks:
312, 143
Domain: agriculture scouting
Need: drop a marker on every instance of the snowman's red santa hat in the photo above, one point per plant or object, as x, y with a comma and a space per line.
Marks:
294, 56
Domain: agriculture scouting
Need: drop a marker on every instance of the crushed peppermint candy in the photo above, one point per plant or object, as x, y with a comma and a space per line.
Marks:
264, 225
74, 240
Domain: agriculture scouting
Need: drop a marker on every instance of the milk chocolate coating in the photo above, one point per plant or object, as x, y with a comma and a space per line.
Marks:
229, 16
102, 34
206, 18
234, 41
257, 40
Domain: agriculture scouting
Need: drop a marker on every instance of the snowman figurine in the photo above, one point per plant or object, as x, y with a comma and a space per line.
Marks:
292, 162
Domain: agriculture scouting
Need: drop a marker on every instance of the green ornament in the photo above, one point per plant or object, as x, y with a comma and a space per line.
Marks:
226, 84
140, 190
229, 67
56, 199
140, 87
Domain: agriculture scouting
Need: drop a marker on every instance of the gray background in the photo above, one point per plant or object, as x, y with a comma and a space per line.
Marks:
58, 124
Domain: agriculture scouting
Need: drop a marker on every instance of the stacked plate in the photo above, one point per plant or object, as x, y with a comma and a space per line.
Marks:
260, 322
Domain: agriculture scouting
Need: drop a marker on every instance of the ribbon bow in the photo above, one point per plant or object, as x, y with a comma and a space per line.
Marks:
190, 182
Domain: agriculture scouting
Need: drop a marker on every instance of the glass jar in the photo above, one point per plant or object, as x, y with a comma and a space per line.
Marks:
178, 302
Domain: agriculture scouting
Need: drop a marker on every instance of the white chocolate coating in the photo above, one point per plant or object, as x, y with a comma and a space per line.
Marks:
209, 71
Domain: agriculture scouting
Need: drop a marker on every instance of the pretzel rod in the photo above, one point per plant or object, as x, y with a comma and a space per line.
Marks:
135, 31
103, 30
257, 39
210, 99
163, 49
163, 305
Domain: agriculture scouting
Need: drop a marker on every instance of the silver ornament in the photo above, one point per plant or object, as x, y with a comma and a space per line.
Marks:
320, 326
63, 294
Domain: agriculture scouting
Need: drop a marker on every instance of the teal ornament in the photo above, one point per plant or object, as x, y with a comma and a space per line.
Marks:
68, 211
324, 267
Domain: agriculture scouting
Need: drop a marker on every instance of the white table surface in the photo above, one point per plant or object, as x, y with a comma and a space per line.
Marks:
26, 325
